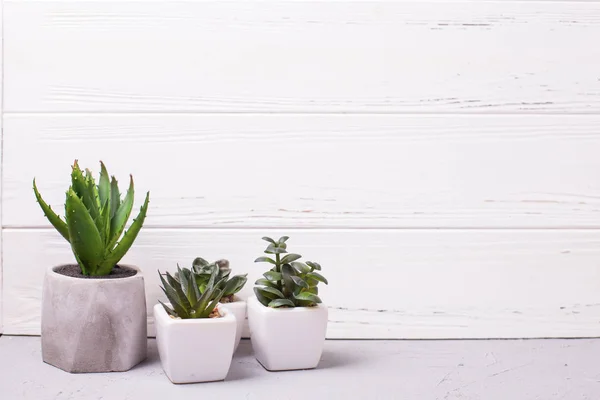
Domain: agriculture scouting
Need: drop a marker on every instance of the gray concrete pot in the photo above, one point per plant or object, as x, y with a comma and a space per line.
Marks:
93, 325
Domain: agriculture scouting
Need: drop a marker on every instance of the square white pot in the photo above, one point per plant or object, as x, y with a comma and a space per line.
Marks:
287, 338
195, 350
237, 308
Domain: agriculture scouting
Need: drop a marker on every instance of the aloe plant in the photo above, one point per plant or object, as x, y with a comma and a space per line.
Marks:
184, 295
203, 270
289, 283
95, 219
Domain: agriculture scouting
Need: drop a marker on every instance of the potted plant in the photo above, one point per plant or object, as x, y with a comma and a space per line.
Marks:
94, 312
287, 319
202, 270
195, 336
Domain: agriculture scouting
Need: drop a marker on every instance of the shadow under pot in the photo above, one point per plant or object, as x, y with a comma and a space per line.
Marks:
93, 324
287, 338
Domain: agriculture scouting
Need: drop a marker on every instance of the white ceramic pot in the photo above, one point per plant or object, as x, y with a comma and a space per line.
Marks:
237, 308
93, 324
195, 350
287, 338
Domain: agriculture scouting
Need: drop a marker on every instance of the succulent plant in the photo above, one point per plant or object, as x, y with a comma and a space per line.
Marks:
95, 218
184, 295
289, 283
203, 270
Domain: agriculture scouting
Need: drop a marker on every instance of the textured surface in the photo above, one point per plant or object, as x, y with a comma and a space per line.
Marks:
362, 370
439, 158
299, 56
423, 283
93, 325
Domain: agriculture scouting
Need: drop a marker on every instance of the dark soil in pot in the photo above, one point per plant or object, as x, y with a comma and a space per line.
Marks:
74, 271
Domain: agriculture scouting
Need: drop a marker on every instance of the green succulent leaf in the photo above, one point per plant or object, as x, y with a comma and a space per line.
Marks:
288, 283
307, 296
300, 267
85, 238
271, 293
118, 222
176, 298
261, 298
115, 197
200, 262
273, 249
169, 310
314, 265
300, 282
268, 239
265, 259
283, 239
288, 258
235, 284
127, 240
55, 220
318, 277
281, 303
265, 282
272, 275
104, 186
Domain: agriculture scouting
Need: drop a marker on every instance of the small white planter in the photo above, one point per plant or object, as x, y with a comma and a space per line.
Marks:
195, 350
237, 308
287, 338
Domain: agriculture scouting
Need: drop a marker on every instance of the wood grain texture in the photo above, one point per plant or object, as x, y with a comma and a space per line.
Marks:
449, 56
318, 171
383, 283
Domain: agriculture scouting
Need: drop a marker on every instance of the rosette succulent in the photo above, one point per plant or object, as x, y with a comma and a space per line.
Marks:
203, 270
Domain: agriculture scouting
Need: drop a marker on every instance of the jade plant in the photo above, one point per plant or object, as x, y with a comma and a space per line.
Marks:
289, 283
95, 219
184, 295
203, 270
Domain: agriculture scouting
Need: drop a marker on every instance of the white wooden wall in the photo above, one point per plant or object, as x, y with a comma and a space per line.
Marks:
440, 159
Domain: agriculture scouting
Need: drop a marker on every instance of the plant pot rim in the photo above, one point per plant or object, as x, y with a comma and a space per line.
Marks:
319, 306
226, 317
51, 271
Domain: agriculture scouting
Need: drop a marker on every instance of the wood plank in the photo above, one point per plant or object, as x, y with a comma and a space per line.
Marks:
406, 56
383, 283
319, 171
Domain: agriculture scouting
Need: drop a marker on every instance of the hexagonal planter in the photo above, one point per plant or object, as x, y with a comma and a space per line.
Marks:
94, 324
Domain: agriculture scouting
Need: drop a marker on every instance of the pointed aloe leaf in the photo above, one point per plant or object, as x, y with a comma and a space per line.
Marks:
216, 298
262, 299
307, 296
281, 303
288, 258
80, 185
169, 311
175, 295
103, 184
235, 284
128, 238
271, 293
55, 220
200, 307
317, 276
265, 259
115, 197
85, 238
188, 284
118, 222
104, 227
